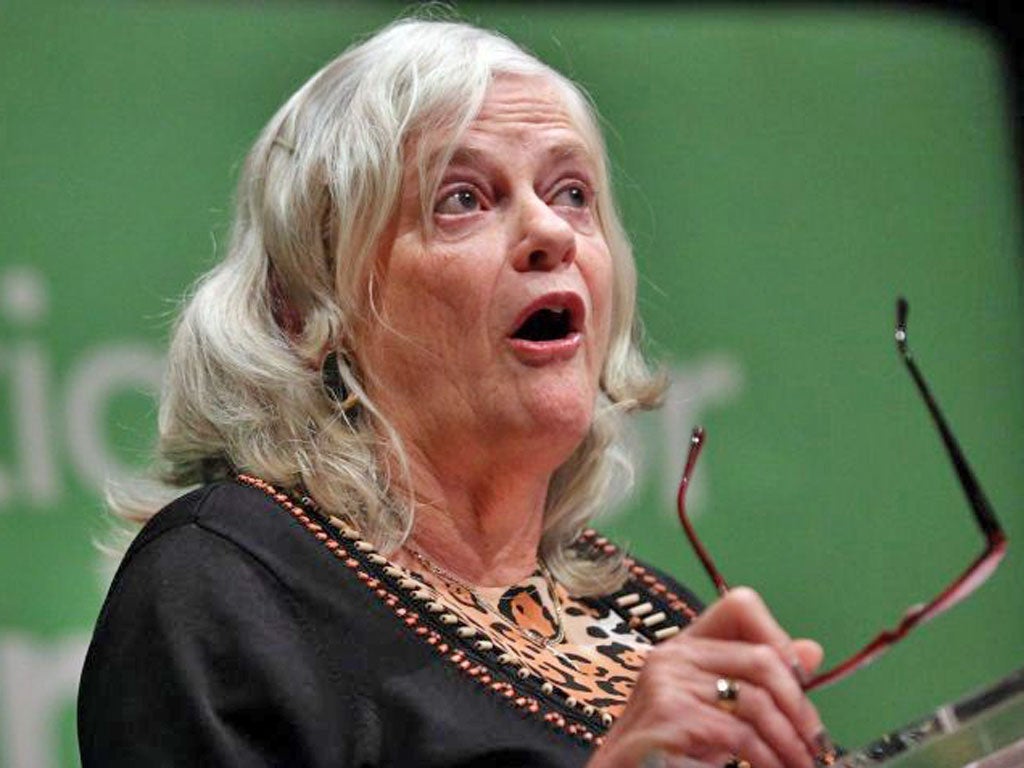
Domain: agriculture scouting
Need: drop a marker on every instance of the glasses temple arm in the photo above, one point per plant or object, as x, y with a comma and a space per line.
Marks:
696, 443
972, 489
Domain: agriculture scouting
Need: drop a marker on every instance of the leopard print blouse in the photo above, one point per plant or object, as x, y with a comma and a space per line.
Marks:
599, 658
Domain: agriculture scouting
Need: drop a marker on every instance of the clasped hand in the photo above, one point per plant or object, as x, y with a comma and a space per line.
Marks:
678, 711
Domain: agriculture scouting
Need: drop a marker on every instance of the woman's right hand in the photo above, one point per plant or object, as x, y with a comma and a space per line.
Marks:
675, 709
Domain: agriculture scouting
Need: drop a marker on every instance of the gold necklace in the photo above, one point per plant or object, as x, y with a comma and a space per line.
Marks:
482, 602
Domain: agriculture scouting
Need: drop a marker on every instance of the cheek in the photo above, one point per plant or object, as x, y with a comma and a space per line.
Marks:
600, 280
439, 299
403, 287
431, 299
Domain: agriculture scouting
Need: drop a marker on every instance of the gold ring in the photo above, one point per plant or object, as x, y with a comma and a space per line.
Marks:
727, 694
738, 762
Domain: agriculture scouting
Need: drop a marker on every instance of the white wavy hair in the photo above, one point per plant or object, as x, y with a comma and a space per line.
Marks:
244, 389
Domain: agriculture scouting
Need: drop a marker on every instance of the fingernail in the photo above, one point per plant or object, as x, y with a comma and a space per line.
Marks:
798, 671
826, 748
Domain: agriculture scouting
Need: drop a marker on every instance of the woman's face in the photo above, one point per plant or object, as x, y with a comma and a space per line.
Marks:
492, 323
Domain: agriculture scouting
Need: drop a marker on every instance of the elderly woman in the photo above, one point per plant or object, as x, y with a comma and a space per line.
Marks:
392, 410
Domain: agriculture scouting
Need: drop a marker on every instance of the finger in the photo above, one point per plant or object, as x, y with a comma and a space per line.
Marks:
681, 719
755, 730
728, 737
761, 666
662, 759
809, 654
741, 615
757, 707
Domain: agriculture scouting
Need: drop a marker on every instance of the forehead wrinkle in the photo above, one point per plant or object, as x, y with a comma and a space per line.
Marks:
528, 105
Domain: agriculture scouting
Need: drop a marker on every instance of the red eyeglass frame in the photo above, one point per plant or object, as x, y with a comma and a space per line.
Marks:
964, 585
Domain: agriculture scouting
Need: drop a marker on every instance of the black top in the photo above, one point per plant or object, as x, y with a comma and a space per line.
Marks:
242, 630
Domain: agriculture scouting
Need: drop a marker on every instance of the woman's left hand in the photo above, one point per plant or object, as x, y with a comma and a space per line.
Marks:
677, 711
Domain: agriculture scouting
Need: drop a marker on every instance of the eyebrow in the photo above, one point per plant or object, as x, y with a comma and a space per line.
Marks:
575, 150
468, 156
563, 151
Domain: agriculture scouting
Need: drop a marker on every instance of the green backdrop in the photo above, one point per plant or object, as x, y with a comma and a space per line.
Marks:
784, 174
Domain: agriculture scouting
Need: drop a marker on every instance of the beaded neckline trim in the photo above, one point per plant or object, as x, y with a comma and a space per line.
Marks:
645, 602
530, 634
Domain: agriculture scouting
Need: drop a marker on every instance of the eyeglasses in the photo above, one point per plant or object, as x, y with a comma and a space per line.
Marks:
973, 577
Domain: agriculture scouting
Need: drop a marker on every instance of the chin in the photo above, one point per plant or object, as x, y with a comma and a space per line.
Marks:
563, 418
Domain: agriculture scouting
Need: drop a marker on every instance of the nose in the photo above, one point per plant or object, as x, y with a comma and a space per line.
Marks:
545, 240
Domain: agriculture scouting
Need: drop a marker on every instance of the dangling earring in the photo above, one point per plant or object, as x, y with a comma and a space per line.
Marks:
334, 384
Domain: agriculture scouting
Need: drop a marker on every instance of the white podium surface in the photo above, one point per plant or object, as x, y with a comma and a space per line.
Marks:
983, 730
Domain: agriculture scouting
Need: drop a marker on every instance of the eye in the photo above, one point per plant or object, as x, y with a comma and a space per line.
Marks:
460, 201
574, 195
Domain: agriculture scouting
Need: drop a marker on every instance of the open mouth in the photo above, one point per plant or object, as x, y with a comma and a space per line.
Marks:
546, 325
549, 329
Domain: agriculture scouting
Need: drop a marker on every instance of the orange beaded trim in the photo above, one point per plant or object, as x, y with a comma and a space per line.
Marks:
411, 619
641, 574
